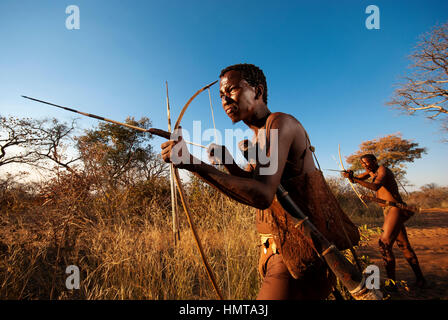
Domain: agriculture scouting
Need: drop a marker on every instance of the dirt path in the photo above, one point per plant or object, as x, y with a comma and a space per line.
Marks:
429, 238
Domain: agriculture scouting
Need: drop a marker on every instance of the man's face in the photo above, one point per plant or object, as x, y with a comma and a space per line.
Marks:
237, 96
368, 164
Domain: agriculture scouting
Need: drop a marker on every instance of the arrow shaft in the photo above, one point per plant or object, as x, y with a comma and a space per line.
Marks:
88, 114
154, 131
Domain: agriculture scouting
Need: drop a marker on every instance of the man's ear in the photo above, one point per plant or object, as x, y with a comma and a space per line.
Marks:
259, 90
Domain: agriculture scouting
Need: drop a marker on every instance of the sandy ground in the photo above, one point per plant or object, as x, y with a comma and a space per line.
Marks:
429, 238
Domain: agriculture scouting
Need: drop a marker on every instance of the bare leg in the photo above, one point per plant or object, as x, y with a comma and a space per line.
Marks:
393, 222
409, 254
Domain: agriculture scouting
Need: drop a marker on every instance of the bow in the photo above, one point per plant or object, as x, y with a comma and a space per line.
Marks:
184, 200
351, 184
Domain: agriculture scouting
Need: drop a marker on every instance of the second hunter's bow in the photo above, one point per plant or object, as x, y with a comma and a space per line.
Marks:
351, 184
352, 249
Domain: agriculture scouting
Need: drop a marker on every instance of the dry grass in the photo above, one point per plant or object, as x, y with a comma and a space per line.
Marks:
123, 253
123, 245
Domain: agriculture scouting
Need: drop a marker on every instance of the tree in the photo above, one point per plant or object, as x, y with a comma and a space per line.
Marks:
391, 151
429, 186
426, 87
110, 152
16, 133
35, 142
118, 154
55, 140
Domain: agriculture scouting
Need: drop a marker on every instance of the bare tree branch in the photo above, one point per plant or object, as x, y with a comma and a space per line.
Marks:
426, 89
36, 141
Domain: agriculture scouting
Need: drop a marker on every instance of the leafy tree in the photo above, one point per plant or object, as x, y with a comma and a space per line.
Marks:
118, 154
426, 87
391, 151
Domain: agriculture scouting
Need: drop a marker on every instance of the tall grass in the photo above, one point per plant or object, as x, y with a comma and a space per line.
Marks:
122, 242
124, 247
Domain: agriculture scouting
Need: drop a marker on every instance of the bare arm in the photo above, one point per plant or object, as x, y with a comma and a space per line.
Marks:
243, 189
236, 170
363, 176
219, 154
349, 175
379, 181
258, 191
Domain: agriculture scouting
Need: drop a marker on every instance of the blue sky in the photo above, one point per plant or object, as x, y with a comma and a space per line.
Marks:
322, 64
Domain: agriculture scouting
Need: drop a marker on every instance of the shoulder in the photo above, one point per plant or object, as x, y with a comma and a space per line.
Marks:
288, 129
383, 171
281, 120
282, 116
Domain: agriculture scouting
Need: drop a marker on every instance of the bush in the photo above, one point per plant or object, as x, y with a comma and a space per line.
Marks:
429, 196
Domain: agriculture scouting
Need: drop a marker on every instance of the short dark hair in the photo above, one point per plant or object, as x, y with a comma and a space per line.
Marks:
369, 156
252, 74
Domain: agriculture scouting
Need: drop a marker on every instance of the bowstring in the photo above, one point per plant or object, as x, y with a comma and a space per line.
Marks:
213, 119
213, 116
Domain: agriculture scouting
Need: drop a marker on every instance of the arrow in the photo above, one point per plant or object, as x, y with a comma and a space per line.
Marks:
154, 131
